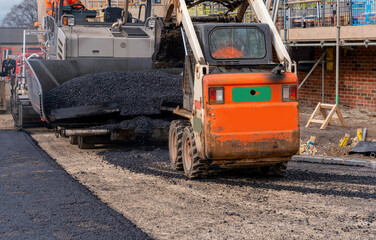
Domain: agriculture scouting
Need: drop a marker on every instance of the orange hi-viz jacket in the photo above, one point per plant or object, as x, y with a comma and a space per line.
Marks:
228, 52
50, 2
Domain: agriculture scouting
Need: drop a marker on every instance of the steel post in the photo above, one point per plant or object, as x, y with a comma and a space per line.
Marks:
323, 81
337, 52
23, 56
312, 69
275, 11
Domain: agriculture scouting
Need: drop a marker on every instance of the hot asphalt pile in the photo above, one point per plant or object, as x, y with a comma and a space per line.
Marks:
140, 124
136, 93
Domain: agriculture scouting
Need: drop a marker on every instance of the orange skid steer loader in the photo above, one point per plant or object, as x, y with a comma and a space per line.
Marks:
240, 108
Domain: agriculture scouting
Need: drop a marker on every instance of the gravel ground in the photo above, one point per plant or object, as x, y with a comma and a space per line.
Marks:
136, 93
313, 201
39, 200
6, 121
327, 141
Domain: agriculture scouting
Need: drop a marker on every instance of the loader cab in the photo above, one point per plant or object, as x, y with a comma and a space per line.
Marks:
235, 44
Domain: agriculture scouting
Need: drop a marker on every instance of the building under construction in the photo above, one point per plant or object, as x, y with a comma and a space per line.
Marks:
335, 52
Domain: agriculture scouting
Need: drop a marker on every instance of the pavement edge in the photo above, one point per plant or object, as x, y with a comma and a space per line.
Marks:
333, 160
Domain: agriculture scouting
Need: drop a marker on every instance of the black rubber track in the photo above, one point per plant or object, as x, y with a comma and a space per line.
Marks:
39, 200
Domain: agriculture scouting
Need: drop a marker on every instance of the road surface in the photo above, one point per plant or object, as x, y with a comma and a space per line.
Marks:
39, 200
313, 201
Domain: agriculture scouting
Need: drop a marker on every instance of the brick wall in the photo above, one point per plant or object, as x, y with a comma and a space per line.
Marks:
357, 80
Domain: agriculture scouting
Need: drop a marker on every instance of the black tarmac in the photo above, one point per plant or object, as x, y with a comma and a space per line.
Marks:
136, 93
39, 200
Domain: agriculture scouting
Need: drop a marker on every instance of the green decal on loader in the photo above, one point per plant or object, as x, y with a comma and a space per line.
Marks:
251, 94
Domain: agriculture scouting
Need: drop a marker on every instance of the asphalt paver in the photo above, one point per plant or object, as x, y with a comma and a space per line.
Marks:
39, 200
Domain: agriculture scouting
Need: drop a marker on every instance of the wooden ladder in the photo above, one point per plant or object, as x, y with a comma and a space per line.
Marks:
320, 108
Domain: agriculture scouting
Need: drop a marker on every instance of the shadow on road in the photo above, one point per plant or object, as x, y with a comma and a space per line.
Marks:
300, 177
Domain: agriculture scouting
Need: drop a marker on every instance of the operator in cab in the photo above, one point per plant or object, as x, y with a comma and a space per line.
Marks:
8, 67
226, 44
52, 4
227, 49
237, 43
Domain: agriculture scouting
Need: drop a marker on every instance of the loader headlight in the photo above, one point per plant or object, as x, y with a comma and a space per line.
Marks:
69, 21
151, 24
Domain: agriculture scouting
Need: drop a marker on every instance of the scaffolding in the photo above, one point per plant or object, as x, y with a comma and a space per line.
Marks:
322, 16
308, 14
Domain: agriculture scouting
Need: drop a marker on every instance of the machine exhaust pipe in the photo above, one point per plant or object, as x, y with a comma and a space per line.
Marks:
60, 13
120, 22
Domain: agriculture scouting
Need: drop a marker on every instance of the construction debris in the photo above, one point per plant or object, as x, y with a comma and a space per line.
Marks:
309, 147
359, 134
364, 134
303, 147
136, 93
344, 140
354, 141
